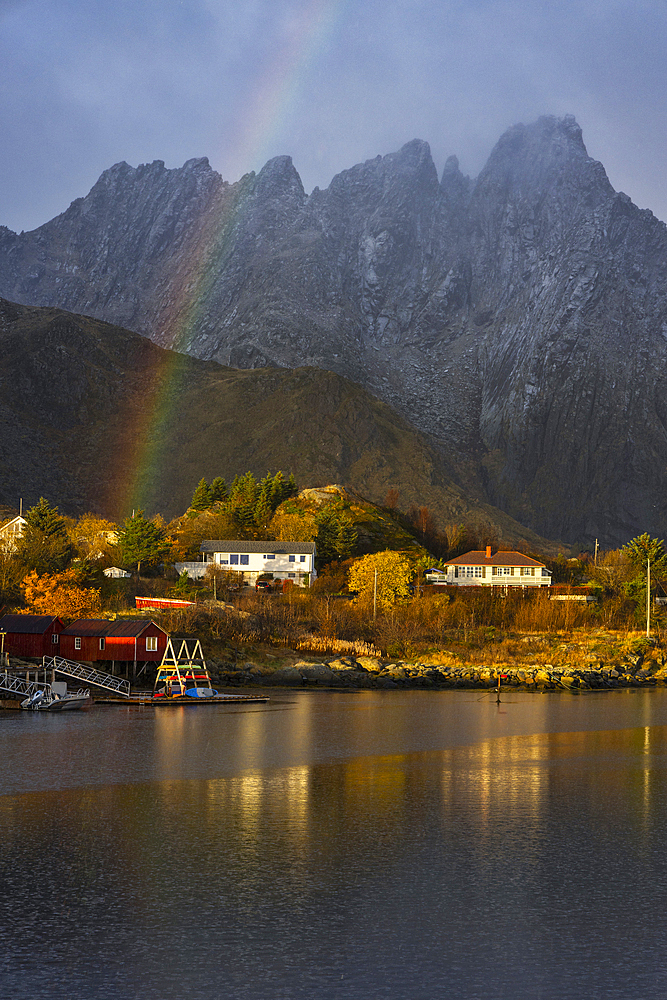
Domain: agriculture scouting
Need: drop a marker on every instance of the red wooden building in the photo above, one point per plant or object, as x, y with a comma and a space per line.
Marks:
31, 635
92, 639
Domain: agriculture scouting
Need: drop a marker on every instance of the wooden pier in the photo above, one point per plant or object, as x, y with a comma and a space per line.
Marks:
146, 698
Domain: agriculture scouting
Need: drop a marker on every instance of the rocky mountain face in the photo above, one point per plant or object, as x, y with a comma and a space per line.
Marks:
519, 320
93, 416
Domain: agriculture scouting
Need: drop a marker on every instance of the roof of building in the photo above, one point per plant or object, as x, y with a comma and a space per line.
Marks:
238, 545
18, 519
480, 558
27, 624
102, 627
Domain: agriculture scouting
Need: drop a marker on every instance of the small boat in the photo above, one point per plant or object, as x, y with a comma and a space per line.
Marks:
56, 698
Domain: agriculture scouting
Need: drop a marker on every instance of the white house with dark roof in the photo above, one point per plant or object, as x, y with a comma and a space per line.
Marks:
283, 560
504, 569
11, 532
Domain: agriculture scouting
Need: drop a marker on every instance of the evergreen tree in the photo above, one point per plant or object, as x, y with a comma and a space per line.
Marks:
218, 490
264, 508
263, 513
45, 546
142, 541
292, 488
201, 498
336, 534
642, 548
243, 499
45, 518
277, 490
346, 537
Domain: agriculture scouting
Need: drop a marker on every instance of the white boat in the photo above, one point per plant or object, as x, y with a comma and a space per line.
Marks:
56, 698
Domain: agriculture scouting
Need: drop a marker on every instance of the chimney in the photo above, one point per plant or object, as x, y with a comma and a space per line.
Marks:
488, 551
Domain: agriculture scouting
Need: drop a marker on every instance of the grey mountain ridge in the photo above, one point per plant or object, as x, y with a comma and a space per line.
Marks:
520, 320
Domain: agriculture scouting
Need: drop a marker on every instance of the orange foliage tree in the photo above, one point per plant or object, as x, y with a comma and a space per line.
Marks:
60, 594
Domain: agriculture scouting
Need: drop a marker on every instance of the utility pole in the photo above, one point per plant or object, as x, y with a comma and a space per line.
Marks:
648, 598
375, 595
595, 560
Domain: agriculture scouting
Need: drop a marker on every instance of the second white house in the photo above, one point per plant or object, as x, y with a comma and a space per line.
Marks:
503, 569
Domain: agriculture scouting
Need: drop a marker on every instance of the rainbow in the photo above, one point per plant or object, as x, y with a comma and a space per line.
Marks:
266, 110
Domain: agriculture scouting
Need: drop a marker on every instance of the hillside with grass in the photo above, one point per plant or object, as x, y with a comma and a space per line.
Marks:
98, 418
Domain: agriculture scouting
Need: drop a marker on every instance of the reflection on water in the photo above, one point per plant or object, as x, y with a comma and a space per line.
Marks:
521, 865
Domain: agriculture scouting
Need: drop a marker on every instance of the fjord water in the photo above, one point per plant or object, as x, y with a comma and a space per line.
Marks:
338, 845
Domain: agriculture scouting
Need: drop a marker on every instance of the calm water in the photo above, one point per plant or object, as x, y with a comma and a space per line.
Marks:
355, 845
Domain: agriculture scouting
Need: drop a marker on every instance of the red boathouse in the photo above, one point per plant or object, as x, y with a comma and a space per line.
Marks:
93, 639
31, 635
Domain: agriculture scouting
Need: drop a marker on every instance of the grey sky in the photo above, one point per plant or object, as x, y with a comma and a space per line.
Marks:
86, 83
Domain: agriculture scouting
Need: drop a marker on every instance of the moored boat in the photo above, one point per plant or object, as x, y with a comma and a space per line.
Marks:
56, 698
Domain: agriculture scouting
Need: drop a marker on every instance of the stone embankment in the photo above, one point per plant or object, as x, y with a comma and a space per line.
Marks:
370, 672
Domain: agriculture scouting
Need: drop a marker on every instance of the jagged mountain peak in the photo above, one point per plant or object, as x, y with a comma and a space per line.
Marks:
512, 318
279, 177
412, 163
537, 152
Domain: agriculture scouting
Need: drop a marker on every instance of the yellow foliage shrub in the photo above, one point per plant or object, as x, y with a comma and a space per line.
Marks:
60, 594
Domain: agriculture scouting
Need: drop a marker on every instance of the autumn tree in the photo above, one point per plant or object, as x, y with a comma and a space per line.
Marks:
392, 498
393, 578
60, 594
142, 541
93, 537
289, 524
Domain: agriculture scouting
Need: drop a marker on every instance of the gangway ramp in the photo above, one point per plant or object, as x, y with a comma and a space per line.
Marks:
70, 668
12, 686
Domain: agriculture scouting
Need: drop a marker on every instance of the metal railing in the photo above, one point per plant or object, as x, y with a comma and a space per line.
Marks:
18, 687
70, 668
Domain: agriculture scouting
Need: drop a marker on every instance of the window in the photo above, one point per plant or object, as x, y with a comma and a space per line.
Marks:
244, 560
478, 570
224, 562
233, 560
77, 643
270, 555
151, 643
54, 638
302, 558
292, 558
103, 643
291, 574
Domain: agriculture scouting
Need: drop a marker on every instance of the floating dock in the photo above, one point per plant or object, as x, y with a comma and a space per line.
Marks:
139, 698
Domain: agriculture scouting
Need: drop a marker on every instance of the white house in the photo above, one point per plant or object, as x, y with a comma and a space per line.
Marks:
504, 569
11, 532
116, 573
283, 560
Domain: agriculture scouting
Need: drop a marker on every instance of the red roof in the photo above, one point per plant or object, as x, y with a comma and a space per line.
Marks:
27, 624
480, 558
103, 627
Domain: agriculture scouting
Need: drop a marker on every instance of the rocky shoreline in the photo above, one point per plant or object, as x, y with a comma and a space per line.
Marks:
367, 672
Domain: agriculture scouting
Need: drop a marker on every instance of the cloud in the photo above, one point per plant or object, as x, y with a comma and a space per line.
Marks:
330, 82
